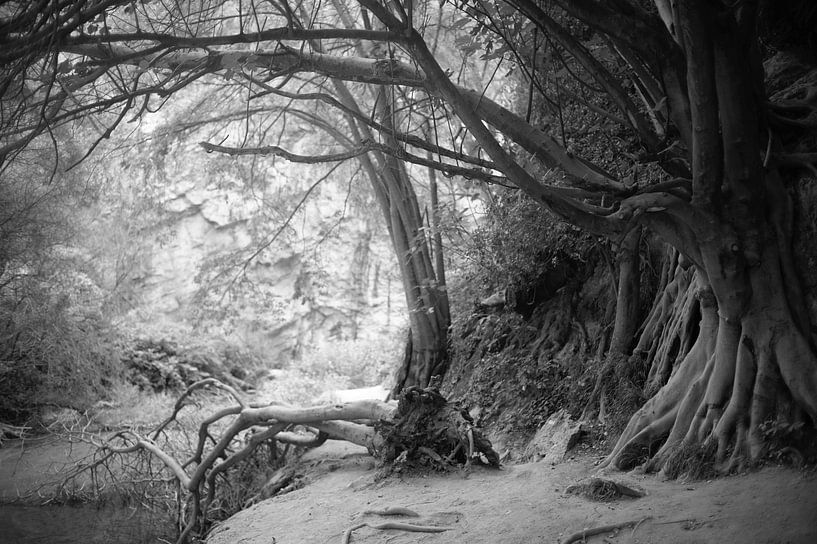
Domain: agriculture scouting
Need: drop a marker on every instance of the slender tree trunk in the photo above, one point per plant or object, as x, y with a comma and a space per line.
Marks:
625, 325
427, 300
627, 296
436, 231
426, 347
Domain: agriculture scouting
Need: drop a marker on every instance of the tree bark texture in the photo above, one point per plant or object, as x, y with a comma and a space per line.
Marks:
727, 343
426, 297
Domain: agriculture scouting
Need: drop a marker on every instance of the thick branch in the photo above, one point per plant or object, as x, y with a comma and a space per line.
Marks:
363, 409
356, 151
706, 144
269, 35
552, 197
282, 60
595, 68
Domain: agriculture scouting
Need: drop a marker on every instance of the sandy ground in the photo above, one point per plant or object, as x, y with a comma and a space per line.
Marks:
527, 504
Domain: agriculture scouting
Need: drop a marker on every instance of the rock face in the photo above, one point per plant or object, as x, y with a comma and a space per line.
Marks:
264, 268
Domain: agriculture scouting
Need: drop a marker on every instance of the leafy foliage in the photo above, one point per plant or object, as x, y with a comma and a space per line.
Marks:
517, 246
52, 355
350, 364
165, 365
56, 347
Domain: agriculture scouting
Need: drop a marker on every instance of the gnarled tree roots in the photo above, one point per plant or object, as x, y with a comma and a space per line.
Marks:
731, 398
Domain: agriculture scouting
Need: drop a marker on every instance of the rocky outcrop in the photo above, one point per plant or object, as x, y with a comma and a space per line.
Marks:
219, 259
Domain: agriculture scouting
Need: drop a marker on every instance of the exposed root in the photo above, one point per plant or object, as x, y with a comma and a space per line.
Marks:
425, 421
750, 365
582, 535
601, 489
677, 400
13, 431
393, 525
671, 328
393, 511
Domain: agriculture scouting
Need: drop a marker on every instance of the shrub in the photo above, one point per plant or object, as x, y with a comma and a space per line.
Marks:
51, 355
515, 248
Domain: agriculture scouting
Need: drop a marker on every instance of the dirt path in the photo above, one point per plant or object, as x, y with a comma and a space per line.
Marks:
528, 504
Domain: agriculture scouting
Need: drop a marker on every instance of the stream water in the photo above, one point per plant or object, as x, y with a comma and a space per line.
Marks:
82, 524
29, 471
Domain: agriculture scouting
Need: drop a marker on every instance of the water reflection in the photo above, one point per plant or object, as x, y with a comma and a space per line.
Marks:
83, 524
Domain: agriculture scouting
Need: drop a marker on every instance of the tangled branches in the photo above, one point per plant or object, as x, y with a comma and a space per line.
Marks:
228, 439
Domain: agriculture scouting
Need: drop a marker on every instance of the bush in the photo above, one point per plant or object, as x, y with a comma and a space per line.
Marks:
519, 247
168, 364
51, 355
349, 364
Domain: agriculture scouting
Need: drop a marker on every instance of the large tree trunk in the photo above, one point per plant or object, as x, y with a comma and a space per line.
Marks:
750, 370
423, 360
426, 300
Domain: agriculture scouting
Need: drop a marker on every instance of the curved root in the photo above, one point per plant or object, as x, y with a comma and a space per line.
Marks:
395, 525
741, 378
581, 536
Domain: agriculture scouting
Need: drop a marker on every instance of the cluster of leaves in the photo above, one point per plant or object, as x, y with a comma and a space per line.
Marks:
57, 282
789, 441
556, 90
516, 246
350, 364
165, 365
488, 23
52, 355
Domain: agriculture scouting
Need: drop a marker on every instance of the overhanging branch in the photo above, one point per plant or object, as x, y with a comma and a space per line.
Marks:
356, 151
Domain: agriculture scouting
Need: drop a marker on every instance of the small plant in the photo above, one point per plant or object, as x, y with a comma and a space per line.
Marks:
692, 461
787, 440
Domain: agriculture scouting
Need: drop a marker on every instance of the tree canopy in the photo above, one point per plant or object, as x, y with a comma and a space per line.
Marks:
712, 153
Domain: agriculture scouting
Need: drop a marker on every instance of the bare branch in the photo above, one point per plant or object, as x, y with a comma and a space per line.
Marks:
269, 35
150, 446
356, 151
